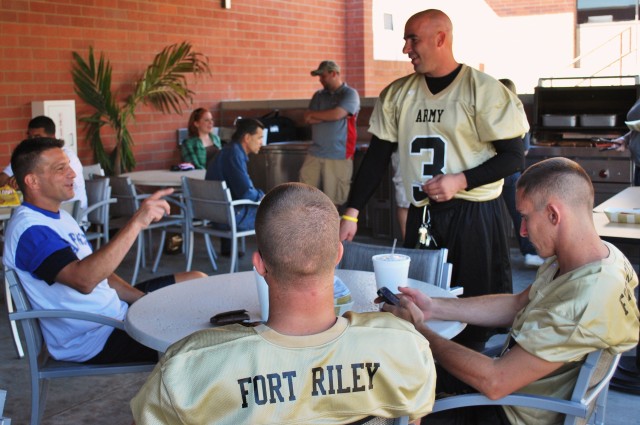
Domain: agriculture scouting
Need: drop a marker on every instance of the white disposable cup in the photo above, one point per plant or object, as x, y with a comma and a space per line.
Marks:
391, 270
263, 295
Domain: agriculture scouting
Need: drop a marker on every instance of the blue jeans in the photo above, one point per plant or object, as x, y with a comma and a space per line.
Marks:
509, 196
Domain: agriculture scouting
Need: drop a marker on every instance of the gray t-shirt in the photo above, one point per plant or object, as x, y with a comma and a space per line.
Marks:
335, 139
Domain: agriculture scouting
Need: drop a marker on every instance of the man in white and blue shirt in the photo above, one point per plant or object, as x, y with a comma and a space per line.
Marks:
57, 267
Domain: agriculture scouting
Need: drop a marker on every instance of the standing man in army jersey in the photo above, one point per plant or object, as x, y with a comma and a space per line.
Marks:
458, 133
332, 115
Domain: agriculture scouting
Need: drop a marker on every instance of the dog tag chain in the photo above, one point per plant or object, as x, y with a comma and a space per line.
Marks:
425, 237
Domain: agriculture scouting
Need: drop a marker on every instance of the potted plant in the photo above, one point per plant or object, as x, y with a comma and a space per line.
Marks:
163, 86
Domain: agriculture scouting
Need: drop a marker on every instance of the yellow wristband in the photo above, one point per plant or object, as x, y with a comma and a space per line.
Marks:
349, 218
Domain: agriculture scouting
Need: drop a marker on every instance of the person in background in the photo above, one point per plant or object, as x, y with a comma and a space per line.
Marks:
318, 368
231, 166
458, 133
631, 140
58, 269
202, 145
43, 126
332, 115
528, 251
582, 300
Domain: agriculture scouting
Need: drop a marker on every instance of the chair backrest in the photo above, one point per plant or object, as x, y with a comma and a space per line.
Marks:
124, 191
208, 200
593, 381
426, 265
181, 135
73, 208
88, 171
98, 190
30, 327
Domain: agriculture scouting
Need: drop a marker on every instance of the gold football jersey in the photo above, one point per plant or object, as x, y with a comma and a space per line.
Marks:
371, 364
568, 316
448, 132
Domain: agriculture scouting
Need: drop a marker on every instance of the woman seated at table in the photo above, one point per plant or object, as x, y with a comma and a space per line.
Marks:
202, 145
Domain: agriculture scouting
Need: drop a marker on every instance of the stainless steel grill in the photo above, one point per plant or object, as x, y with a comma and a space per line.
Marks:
568, 121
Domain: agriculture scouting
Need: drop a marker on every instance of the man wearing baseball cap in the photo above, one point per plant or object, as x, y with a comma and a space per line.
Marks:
332, 115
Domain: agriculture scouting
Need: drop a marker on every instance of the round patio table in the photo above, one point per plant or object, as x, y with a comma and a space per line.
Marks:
167, 315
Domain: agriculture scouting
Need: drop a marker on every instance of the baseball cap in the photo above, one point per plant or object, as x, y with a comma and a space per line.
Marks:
325, 66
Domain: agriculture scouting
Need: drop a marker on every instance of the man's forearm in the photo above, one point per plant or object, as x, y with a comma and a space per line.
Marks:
493, 377
497, 310
85, 274
125, 291
469, 366
334, 114
508, 160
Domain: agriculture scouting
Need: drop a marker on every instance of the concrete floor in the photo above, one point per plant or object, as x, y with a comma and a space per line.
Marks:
105, 400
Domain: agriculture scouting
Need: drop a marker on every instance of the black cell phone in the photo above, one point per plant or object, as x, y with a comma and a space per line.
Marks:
229, 317
388, 296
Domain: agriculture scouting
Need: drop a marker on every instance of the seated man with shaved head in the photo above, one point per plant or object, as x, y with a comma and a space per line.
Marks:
304, 365
581, 301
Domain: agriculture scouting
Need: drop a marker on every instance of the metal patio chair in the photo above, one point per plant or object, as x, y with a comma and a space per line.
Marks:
209, 201
97, 211
587, 403
73, 208
42, 368
88, 171
427, 265
128, 202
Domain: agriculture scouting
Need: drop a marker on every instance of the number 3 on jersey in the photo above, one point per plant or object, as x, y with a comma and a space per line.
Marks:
429, 153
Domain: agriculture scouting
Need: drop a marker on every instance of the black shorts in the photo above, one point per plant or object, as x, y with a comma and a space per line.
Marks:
156, 283
475, 236
121, 348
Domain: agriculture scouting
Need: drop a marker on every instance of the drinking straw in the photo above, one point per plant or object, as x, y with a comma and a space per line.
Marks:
393, 248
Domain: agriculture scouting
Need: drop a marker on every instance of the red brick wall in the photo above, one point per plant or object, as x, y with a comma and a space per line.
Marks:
257, 50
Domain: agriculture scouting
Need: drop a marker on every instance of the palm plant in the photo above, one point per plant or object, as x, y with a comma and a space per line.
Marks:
162, 86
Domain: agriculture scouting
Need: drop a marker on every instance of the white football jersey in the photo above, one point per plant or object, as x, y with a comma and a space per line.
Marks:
448, 132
